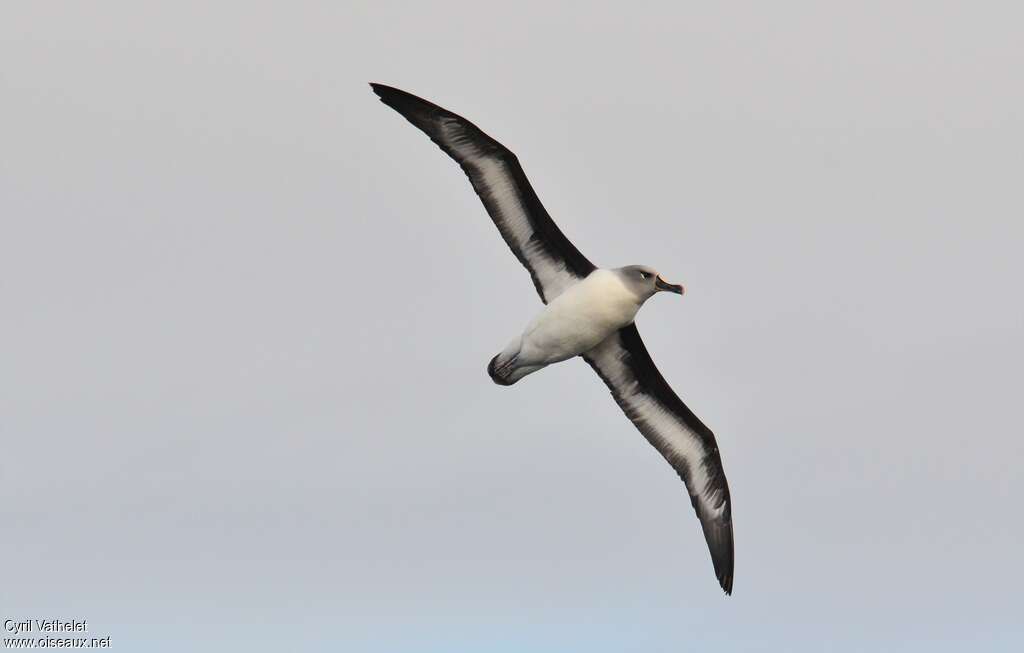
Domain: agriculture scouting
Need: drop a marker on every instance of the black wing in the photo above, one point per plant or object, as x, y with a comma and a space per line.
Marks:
553, 262
624, 365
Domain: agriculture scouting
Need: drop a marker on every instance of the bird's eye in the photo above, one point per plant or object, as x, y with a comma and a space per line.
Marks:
644, 275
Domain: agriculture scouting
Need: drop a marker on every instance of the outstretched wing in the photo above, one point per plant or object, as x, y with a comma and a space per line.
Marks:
553, 262
624, 365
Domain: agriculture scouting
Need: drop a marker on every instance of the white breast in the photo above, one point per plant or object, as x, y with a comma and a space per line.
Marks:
578, 319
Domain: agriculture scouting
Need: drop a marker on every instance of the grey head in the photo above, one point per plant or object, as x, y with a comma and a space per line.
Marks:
645, 281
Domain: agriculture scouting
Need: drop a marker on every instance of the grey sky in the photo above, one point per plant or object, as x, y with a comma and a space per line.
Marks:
247, 312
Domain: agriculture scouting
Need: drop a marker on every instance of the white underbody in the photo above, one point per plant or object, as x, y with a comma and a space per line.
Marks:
577, 320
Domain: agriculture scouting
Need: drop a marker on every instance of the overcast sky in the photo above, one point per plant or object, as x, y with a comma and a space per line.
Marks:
247, 310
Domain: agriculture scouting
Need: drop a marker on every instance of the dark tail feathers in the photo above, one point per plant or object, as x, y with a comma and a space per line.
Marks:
500, 374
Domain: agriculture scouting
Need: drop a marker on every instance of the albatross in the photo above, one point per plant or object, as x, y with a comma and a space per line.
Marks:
589, 312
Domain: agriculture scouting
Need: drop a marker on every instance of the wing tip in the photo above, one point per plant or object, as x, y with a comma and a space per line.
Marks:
723, 563
387, 94
720, 545
725, 580
382, 89
403, 102
723, 571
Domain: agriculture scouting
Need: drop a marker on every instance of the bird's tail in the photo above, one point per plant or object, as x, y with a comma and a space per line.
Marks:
504, 369
500, 370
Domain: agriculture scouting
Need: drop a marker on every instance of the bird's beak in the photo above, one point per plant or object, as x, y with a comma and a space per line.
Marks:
661, 284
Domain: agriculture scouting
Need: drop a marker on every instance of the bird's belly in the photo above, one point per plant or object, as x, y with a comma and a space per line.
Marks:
574, 324
552, 343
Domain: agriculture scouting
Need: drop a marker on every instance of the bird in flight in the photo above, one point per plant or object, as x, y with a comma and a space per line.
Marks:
588, 312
